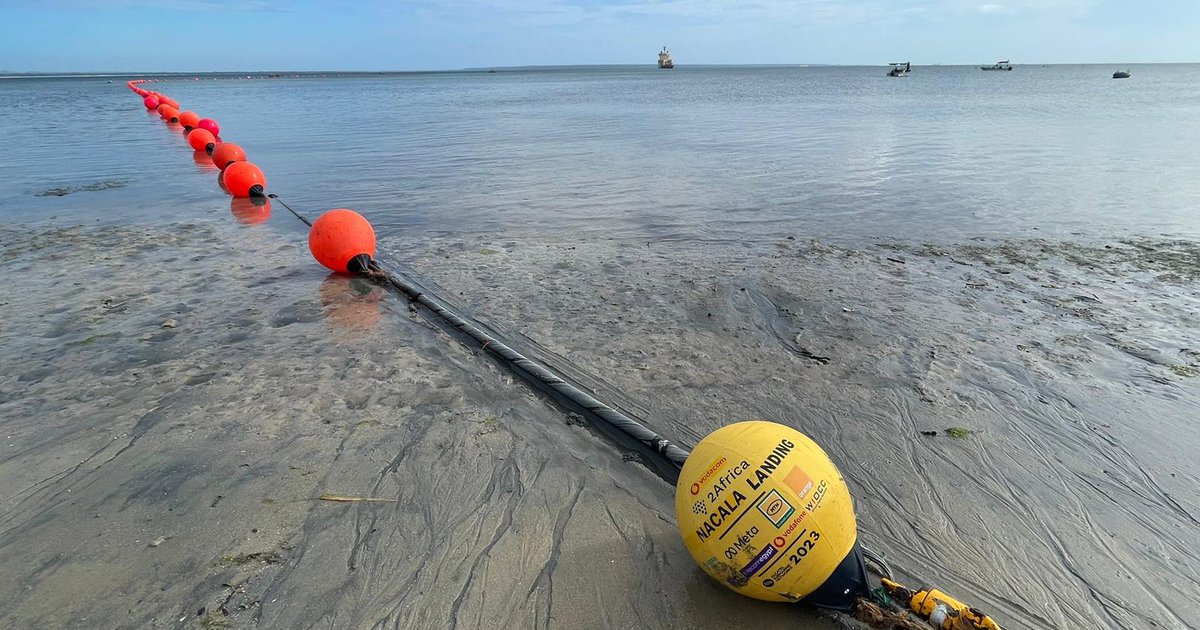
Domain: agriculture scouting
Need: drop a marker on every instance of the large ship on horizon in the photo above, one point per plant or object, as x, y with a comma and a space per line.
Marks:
664, 59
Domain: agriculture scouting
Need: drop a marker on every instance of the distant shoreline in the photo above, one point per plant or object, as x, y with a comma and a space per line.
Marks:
648, 66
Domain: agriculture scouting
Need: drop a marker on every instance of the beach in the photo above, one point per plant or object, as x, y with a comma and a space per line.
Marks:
168, 440
177, 399
1010, 415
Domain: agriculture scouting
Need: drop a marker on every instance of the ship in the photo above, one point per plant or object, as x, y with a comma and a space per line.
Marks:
899, 69
999, 65
664, 60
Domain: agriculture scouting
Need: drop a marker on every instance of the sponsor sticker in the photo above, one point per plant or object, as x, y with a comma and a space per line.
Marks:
759, 561
775, 508
798, 481
708, 472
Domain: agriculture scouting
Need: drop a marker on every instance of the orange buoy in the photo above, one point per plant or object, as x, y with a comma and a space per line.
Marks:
151, 102
209, 124
201, 140
250, 209
168, 113
169, 101
188, 119
227, 153
342, 240
244, 179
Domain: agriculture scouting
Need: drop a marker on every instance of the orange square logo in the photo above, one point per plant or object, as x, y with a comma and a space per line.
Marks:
798, 481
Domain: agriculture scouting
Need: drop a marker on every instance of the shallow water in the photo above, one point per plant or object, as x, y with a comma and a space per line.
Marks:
715, 153
966, 250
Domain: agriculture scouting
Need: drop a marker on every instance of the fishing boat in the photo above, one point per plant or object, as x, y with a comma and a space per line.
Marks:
664, 60
999, 65
1121, 74
900, 69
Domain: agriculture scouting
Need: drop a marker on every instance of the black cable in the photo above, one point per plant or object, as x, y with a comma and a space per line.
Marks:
298, 215
668, 458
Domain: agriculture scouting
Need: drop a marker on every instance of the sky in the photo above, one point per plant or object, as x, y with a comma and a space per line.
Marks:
231, 35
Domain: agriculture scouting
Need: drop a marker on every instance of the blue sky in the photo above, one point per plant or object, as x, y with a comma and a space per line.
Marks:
201, 35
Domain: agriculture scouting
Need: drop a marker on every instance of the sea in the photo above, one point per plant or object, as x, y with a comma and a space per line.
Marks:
716, 153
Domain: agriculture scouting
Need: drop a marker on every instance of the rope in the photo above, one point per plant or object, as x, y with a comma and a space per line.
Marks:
877, 562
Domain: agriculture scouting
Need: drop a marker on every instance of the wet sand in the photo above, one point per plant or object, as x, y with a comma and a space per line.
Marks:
175, 398
1061, 380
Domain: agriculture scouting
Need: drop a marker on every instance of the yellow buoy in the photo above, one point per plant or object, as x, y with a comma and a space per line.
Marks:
764, 511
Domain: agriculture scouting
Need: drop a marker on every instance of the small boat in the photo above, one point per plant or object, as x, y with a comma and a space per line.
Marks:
1121, 74
664, 60
899, 69
999, 65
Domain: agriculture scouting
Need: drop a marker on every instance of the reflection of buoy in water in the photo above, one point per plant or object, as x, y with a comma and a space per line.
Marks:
201, 140
342, 240
764, 511
227, 152
351, 302
151, 102
209, 124
244, 179
202, 160
188, 119
250, 209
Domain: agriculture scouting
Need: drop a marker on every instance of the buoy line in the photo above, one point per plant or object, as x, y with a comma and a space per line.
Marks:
760, 506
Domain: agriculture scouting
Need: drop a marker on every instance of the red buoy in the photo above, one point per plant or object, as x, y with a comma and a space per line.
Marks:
151, 102
201, 140
226, 153
244, 179
342, 240
189, 119
209, 124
